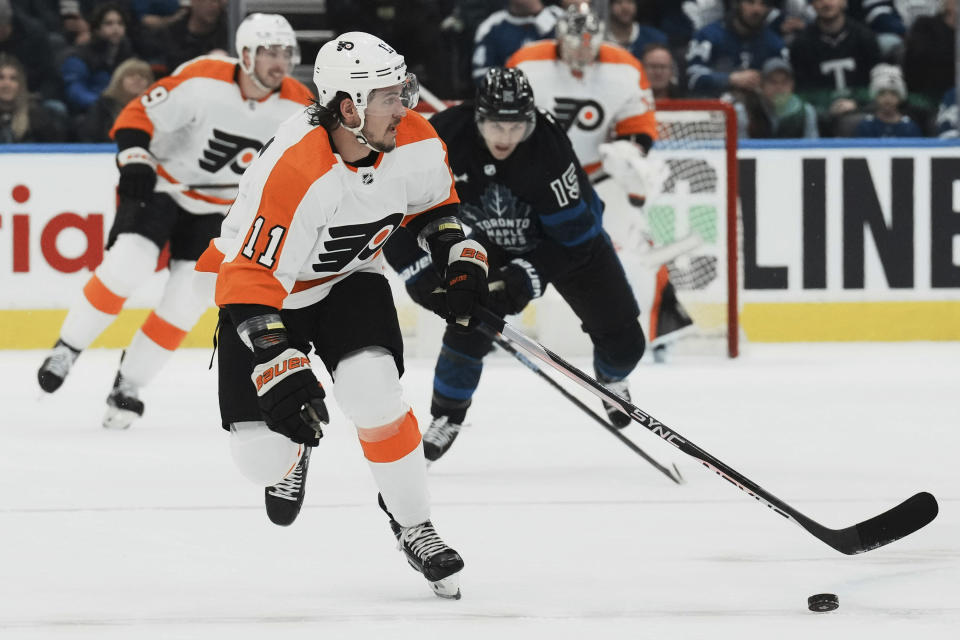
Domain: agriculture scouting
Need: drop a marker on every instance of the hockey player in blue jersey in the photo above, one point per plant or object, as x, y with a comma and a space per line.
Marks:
728, 54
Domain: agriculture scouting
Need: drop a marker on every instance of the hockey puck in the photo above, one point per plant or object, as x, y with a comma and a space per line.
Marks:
823, 602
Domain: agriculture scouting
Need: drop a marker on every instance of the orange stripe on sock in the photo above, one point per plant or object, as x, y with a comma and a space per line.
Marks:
392, 441
102, 298
162, 332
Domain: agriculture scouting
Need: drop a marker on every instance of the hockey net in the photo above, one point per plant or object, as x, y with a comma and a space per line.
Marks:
693, 218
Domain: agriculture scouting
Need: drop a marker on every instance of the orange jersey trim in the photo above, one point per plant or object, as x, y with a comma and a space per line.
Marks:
540, 50
134, 115
295, 91
663, 277
303, 285
196, 195
392, 441
242, 280
613, 54
643, 123
162, 332
414, 128
102, 299
210, 260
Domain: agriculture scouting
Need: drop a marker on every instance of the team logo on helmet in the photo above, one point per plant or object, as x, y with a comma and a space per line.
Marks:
226, 148
344, 44
586, 114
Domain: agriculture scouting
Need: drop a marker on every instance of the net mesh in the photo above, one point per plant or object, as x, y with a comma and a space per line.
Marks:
690, 212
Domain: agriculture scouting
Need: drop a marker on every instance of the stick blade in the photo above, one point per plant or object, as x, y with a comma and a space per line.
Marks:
910, 515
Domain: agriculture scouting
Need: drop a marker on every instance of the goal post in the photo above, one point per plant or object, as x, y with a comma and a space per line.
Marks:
697, 142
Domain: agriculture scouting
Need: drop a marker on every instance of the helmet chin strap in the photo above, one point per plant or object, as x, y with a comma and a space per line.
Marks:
356, 131
256, 81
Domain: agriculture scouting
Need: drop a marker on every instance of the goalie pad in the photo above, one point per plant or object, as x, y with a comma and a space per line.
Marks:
636, 174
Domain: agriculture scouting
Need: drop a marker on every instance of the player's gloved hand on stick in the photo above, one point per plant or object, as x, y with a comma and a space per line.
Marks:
289, 394
465, 280
626, 163
513, 286
138, 174
425, 286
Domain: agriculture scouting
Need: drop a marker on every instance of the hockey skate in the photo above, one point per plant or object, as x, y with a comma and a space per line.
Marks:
430, 556
622, 389
56, 366
123, 405
439, 437
284, 499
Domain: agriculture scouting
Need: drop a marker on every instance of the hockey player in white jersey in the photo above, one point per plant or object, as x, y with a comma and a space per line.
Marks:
203, 125
601, 95
299, 267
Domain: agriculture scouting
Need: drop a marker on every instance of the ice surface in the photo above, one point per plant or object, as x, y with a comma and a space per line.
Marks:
151, 533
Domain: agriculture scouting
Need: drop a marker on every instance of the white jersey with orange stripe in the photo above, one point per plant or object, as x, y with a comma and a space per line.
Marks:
304, 218
203, 130
611, 98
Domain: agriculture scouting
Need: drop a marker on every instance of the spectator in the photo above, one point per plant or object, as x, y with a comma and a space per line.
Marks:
832, 59
928, 63
884, 20
86, 72
948, 118
729, 54
661, 71
790, 17
26, 40
200, 31
624, 30
777, 112
157, 14
910, 10
507, 30
887, 121
22, 118
74, 27
130, 79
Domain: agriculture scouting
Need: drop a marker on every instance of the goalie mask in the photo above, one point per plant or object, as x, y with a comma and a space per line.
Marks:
270, 34
579, 35
358, 64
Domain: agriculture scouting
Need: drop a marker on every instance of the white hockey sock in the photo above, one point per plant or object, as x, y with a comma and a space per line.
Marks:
128, 263
166, 327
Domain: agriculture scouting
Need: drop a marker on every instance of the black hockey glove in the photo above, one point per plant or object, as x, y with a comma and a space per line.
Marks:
138, 174
289, 395
513, 286
465, 280
425, 286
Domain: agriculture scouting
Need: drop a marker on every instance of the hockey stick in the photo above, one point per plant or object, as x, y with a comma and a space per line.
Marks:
179, 187
506, 345
902, 520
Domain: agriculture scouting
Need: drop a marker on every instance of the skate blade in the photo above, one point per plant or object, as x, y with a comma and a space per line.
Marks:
448, 588
119, 419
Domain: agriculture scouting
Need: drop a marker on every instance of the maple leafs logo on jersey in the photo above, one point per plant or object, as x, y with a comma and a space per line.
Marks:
502, 217
355, 242
224, 148
585, 113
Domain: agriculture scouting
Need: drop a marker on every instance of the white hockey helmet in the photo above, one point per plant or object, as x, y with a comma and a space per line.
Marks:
357, 63
265, 30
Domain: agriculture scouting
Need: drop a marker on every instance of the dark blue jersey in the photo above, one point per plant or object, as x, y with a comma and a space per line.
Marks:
717, 50
537, 203
501, 34
871, 127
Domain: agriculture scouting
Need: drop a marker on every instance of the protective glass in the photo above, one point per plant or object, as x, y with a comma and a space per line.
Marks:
505, 132
394, 99
288, 53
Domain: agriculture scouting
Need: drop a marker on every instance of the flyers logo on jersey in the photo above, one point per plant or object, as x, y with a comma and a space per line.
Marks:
226, 148
586, 114
355, 242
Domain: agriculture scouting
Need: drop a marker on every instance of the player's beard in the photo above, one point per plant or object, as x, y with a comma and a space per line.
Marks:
386, 143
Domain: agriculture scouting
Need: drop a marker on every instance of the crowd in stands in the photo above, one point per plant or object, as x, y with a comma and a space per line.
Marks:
792, 68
